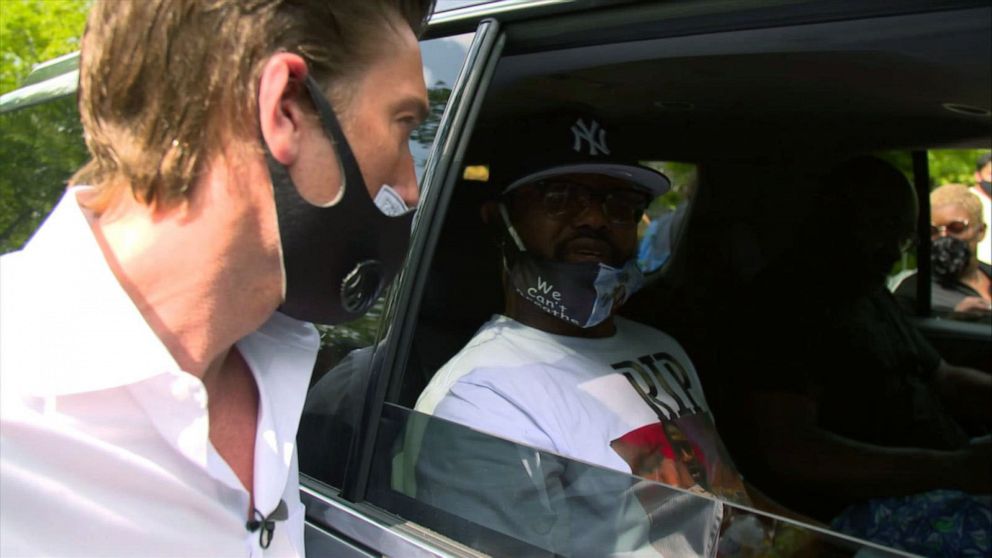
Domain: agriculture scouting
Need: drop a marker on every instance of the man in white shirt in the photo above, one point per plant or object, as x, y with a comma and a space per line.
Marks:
155, 348
559, 371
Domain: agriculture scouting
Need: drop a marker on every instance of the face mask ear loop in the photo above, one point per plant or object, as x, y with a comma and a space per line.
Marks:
509, 228
332, 129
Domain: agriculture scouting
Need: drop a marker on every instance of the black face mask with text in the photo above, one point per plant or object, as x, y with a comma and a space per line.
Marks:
337, 259
583, 294
949, 257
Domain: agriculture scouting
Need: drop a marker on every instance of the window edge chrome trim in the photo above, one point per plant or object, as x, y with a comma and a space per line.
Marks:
376, 528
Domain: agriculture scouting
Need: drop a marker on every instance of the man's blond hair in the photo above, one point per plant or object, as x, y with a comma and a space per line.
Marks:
958, 194
164, 84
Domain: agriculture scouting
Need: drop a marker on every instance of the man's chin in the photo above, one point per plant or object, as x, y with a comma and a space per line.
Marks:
587, 258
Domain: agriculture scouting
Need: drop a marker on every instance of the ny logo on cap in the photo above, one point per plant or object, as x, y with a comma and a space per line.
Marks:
592, 134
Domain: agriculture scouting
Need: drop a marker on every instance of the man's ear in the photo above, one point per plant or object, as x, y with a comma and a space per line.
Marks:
983, 231
280, 111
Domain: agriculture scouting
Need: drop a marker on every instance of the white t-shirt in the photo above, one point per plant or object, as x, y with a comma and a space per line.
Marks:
104, 447
630, 402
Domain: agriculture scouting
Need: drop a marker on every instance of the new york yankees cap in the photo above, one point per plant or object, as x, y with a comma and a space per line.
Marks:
546, 146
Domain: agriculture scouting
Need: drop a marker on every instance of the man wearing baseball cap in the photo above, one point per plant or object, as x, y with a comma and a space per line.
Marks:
560, 371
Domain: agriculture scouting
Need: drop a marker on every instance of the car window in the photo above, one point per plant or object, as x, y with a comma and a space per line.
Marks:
953, 238
507, 499
756, 305
664, 220
340, 380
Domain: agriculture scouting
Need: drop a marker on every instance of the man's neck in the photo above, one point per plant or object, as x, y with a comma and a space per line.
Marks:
203, 274
530, 315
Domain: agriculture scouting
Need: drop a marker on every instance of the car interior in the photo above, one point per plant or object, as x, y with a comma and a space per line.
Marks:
763, 113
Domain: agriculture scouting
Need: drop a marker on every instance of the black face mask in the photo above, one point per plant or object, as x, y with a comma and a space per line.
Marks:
337, 259
583, 294
950, 257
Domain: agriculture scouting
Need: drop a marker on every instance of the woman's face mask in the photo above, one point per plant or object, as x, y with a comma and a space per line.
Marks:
949, 257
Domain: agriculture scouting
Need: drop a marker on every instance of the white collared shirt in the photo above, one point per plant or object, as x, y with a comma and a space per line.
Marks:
104, 447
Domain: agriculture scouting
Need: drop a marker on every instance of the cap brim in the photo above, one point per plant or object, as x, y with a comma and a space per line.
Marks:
649, 180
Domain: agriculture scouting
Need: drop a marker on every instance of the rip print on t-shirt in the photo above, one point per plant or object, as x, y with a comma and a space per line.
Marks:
682, 448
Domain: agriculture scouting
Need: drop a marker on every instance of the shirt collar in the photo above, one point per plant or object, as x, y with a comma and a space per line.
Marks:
281, 355
97, 337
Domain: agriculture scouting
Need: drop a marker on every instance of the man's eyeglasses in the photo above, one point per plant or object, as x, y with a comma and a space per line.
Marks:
953, 228
564, 199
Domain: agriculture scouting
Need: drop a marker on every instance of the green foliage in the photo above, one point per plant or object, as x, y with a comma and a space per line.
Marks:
947, 166
40, 148
33, 31
437, 98
356, 334
683, 178
953, 166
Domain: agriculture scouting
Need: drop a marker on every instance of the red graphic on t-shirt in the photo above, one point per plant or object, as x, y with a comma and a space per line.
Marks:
686, 453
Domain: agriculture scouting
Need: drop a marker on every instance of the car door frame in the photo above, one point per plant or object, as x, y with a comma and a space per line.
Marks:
340, 522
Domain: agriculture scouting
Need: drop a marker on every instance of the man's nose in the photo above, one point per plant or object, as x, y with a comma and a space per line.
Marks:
406, 183
591, 214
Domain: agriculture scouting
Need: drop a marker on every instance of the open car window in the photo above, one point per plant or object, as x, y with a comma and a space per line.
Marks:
736, 107
952, 236
341, 376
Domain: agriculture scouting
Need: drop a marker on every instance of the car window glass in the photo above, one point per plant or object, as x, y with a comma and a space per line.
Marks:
743, 307
959, 242
663, 222
340, 374
906, 264
445, 5
481, 489
504, 499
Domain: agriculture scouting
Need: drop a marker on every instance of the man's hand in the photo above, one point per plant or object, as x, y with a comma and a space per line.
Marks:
973, 305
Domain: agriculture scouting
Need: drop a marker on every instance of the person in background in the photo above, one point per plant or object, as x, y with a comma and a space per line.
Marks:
839, 407
247, 159
961, 283
560, 371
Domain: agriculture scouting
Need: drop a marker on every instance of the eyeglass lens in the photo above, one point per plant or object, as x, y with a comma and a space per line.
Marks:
564, 199
954, 227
